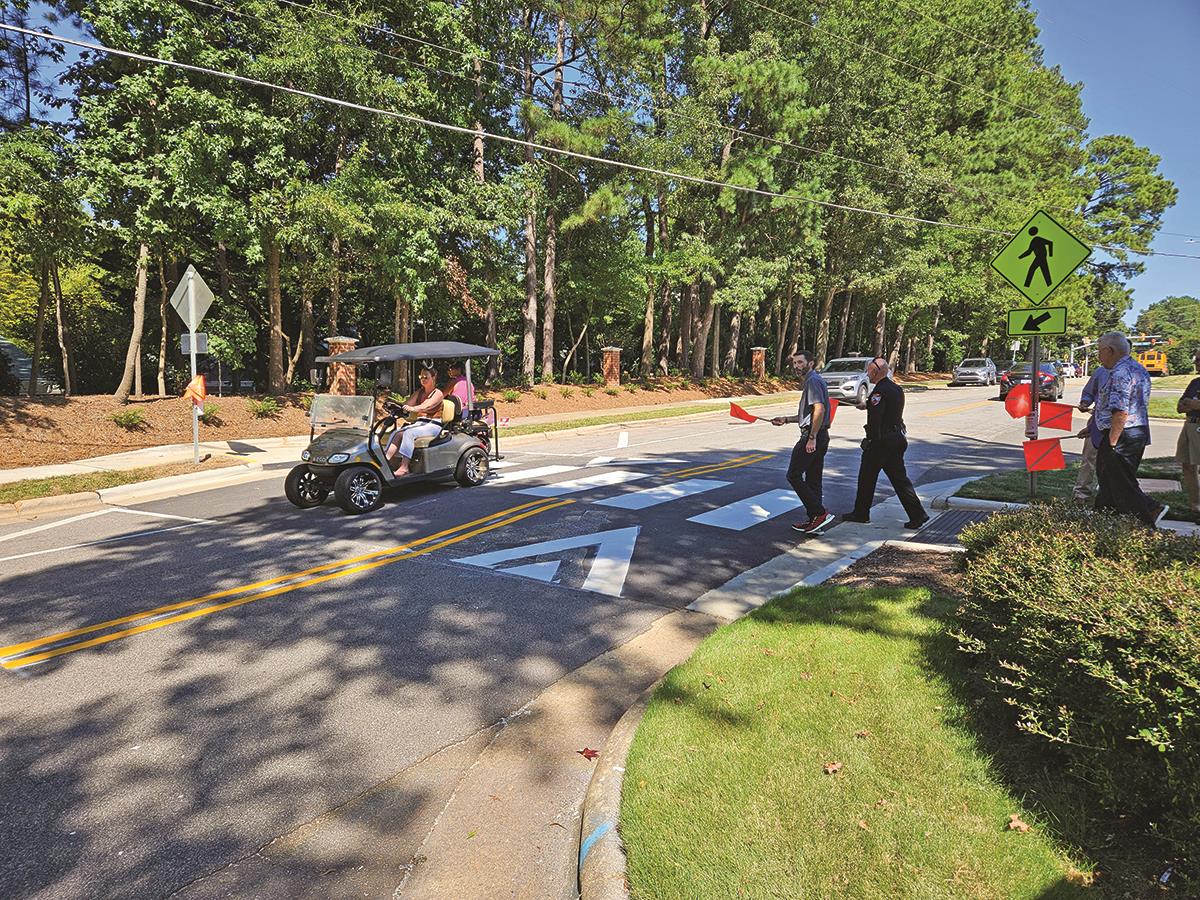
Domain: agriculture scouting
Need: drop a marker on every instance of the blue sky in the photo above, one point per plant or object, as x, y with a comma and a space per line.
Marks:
1141, 76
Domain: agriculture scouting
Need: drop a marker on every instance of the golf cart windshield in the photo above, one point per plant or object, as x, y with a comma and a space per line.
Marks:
334, 410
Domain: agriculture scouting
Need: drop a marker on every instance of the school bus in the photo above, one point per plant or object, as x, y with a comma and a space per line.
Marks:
1155, 362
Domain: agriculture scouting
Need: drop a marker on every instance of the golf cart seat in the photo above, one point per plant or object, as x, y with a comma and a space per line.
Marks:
451, 415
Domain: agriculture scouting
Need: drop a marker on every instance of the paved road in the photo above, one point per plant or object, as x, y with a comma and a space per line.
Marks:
190, 680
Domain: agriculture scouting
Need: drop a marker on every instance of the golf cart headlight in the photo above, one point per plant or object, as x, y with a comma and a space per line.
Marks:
338, 458
306, 456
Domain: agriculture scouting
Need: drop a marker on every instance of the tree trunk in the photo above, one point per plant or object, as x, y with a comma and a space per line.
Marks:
927, 362
700, 341
880, 324
687, 313
841, 341
163, 306
64, 335
735, 335
275, 373
664, 342
139, 320
575, 346
401, 325
786, 318
894, 356
716, 343
797, 323
647, 360
910, 360
308, 325
823, 315
335, 284
529, 342
39, 327
549, 293
477, 168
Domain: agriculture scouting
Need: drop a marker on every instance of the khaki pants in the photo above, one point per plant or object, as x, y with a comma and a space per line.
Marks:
1187, 451
1087, 470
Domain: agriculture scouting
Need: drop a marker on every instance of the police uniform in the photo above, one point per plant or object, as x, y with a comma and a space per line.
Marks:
883, 450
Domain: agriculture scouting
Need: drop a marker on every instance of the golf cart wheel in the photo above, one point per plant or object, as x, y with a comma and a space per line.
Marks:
861, 397
473, 467
359, 489
304, 489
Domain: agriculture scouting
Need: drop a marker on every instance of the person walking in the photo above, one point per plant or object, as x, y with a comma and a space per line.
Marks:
1122, 415
1188, 450
883, 449
808, 456
1085, 483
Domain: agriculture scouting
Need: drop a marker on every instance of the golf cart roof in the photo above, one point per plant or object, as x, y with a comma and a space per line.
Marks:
401, 352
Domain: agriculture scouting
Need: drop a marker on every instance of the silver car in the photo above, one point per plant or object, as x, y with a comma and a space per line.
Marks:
978, 370
847, 378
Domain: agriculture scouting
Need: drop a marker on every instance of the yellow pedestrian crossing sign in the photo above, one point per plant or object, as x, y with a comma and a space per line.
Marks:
1040, 257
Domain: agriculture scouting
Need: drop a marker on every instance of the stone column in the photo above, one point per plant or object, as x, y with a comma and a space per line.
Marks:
343, 379
758, 362
612, 366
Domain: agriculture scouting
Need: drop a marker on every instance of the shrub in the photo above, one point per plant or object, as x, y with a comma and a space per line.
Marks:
211, 414
589, 392
511, 396
306, 400
630, 387
566, 391
266, 408
541, 393
575, 378
611, 391
1088, 626
598, 379
129, 419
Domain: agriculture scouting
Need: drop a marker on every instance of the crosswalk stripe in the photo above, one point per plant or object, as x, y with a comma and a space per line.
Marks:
604, 479
648, 497
753, 510
527, 474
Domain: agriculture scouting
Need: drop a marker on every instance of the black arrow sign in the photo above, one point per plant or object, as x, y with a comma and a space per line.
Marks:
1034, 323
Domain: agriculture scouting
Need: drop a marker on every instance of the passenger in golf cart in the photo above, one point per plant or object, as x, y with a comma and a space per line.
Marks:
424, 410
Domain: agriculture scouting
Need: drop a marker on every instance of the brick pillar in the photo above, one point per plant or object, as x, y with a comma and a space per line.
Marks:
342, 379
758, 362
612, 366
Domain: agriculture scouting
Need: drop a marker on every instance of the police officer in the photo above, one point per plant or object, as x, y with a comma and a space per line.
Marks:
883, 449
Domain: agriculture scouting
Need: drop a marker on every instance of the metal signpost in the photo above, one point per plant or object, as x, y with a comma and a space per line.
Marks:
1036, 261
191, 301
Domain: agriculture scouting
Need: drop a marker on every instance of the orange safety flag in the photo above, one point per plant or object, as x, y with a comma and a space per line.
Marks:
1019, 402
1056, 415
738, 413
1044, 455
196, 391
833, 405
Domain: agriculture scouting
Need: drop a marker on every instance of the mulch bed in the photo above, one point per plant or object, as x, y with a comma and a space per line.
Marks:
888, 567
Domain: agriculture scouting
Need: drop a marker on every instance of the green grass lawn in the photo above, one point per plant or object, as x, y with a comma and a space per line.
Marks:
726, 793
1164, 408
669, 412
1173, 382
34, 488
1013, 486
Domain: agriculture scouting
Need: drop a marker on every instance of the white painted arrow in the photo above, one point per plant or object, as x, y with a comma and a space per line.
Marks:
610, 567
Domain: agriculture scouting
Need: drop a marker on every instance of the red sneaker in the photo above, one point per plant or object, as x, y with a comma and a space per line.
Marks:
819, 524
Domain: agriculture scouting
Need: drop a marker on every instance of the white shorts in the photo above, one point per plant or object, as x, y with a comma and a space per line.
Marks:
1187, 451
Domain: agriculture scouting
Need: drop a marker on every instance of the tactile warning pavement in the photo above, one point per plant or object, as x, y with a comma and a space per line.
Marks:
946, 527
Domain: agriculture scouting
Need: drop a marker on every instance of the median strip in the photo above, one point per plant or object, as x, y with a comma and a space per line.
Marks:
17, 653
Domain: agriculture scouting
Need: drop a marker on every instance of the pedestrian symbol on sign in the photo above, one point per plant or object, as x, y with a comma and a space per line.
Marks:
1041, 250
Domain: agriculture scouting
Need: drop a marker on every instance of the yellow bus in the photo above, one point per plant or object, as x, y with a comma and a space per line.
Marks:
1155, 362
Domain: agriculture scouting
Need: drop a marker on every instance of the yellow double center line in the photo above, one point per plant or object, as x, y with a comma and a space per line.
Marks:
736, 463
17, 656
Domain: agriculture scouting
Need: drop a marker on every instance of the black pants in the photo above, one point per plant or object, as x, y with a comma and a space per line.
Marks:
804, 473
886, 455
1117, 468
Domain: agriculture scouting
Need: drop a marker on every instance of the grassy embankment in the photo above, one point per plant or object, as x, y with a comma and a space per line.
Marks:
34, 488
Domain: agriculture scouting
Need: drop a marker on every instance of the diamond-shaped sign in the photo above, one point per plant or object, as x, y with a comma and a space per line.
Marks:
203, 298
1040, 257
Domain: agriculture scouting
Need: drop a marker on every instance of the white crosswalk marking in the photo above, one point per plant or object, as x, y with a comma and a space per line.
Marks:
604, 479
656, 495
529, 474
745, 513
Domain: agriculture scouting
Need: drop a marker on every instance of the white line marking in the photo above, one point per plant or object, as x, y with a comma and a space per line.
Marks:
654, 496
122, 537
539, 571
633, 461
49, 525
751, 511
156, 515
622, 439
502, 464
610, 567
604, 479
508, 477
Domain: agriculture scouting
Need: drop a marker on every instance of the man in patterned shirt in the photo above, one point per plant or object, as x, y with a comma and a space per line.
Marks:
1122, 415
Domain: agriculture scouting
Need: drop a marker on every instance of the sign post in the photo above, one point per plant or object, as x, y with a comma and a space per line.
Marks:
1038, 259
191, 301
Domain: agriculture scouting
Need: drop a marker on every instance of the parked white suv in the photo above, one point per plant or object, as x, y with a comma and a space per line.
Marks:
978, 370
847, 378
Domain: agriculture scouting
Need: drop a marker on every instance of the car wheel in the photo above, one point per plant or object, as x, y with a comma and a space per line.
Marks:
473, 468
861, 397
359, 489
304, 489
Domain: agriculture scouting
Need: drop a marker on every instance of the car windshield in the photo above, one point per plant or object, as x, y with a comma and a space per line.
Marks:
846, 365
330, 410
972, 364
1023, 369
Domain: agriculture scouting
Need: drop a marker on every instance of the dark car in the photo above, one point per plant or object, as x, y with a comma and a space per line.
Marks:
1050, 380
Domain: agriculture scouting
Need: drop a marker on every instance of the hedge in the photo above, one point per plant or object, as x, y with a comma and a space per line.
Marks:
1088, 625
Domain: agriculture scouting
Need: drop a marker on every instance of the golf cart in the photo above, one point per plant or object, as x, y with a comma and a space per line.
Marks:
347, 456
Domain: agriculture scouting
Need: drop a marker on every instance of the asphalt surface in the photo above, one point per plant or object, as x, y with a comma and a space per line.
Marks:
153, 736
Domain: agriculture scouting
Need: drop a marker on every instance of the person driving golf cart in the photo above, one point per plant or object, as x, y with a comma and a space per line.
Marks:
425, 409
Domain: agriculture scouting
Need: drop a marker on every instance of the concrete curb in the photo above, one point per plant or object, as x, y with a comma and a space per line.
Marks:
918, 547
952, 502
42, 506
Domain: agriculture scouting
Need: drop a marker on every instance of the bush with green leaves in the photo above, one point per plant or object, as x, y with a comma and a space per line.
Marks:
211, 414
541, 393
266, 408
589, 391
129, 419
611, 391
1088, 626
511, 396
566, 392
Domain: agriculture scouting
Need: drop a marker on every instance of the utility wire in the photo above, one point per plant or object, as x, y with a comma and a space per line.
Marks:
473, 133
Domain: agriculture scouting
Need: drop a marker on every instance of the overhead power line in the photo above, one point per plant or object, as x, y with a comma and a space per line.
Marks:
544, 148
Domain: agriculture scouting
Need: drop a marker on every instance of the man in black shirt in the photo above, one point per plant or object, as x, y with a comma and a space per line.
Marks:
883, 449
1188, 451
